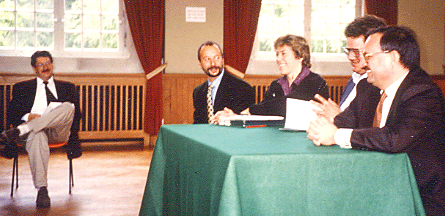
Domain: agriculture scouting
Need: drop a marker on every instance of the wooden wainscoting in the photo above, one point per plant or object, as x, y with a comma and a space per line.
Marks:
112, 104
178, 90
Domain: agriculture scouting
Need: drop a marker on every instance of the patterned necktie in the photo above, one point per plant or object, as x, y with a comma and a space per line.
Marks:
209, 102
378, 111
49, 96
347, 91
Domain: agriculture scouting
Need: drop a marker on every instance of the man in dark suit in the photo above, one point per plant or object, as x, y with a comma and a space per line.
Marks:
42, 111
355, 41
226, 90
409, 117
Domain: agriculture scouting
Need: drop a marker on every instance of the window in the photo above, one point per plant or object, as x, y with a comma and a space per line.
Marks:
321, 22
74, 28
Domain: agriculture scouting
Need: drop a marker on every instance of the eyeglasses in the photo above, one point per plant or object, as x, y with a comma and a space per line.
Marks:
370, 55
43, 64
348, 51
215, 58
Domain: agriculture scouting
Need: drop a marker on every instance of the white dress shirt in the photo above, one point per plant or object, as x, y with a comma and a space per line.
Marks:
40, 102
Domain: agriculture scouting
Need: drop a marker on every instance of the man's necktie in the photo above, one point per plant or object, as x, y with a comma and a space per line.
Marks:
209, 102
378, 111
349, 86
49, 96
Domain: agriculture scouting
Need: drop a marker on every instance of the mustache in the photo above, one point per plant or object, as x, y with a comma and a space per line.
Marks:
366, 68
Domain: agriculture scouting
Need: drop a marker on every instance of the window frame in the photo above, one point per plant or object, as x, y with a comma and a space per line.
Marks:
318, 57
59, 36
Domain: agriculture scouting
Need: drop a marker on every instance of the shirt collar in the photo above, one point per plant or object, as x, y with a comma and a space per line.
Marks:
50, 81
357, 77
284, 83
217, 81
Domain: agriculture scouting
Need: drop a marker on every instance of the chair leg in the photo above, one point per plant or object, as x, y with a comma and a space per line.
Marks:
15, 174
71, 176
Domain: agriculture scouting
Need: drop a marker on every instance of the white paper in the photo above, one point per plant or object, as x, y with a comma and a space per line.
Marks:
299, 113
195, 14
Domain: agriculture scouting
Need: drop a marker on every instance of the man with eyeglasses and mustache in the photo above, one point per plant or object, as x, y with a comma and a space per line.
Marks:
35, 125
221, 89
355, 40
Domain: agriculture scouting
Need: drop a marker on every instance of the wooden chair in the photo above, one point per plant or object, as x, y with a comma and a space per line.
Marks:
15, 169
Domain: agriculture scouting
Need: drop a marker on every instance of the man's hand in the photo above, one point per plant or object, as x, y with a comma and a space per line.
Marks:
225, 112
33, 116
321, 132
329, 109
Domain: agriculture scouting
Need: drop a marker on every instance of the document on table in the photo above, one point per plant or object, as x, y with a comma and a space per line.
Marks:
299, 113
251, 120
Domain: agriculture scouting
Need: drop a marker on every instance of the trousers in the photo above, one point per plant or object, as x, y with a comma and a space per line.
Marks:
52, 127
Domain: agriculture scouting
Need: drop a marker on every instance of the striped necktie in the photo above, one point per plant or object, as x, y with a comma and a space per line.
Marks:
209, 102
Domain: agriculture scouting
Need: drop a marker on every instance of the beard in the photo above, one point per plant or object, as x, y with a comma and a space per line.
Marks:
207, 71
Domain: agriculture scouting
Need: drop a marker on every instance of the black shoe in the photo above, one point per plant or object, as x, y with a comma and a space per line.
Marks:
9, 151
43, 200
73, 153
8, 137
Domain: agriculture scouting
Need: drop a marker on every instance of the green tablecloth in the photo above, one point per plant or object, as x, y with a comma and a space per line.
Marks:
217, 170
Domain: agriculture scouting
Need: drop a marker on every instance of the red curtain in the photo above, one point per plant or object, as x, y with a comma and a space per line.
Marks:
384, 9
240, 24
146, 19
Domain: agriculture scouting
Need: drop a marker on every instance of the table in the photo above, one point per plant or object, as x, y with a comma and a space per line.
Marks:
218, 170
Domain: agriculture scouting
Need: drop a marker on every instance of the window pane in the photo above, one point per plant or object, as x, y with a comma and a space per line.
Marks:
25, 19
25, 39
45, 20
281, 11
296, 29
45, 39
296, 13
7, 38
73, 5
25, 4
333, 46
110, 41
7, 4
266, 44
91, 5
73, 40
91, 22
317, 46
266, 12
110, 6
92, 40
7, 19
73, 21
110, 22
45, 4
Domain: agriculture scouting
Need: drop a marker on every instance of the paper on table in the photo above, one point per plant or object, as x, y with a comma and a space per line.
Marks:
226, 120
51, 106
299, 113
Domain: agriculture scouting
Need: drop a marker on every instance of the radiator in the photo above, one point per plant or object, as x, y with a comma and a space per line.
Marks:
112, 105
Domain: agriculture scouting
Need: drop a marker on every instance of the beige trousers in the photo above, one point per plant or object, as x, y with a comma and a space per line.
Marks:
53, 127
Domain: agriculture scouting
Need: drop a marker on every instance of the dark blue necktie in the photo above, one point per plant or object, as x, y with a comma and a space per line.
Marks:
49, 96
349, 86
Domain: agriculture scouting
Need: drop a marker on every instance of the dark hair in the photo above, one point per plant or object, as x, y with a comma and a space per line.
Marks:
299, 45
403, 40
209, 43
40, 54
361, 25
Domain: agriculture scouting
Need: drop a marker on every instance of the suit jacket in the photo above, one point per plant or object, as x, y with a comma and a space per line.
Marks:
232, 93
274, 101
415, 125
23, 94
